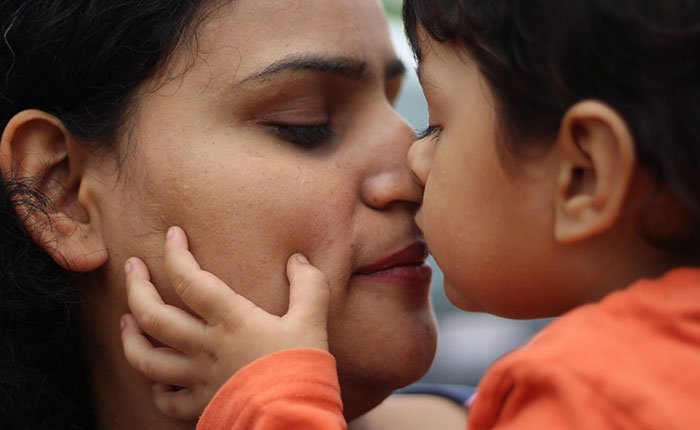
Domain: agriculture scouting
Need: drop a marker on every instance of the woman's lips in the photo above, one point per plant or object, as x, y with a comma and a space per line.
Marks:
406, 267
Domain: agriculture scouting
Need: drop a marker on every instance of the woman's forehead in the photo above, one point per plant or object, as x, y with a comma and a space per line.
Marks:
258, 33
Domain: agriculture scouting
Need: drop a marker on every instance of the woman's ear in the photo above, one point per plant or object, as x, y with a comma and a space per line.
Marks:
46, 160
596, 172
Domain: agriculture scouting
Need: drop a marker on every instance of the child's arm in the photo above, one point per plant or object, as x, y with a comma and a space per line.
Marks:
201, 354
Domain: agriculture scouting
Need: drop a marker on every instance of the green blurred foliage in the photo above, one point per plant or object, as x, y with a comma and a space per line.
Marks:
393, 7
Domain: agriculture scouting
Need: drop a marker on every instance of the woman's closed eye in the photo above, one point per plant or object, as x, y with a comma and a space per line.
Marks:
306, 136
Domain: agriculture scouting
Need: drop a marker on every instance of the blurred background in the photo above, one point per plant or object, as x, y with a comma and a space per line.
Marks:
468, 342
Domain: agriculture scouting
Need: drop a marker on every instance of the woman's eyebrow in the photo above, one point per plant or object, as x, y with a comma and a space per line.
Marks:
343, 66
395, 69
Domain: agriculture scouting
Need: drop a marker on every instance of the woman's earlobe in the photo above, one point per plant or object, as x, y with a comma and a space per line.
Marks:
596, 171
44, 163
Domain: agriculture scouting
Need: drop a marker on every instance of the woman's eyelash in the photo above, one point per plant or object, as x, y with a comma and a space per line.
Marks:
432, 130
306, 136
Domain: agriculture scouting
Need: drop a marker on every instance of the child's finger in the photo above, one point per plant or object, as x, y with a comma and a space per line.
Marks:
309, 293
202, 291
157, 364
178, 404
167, 324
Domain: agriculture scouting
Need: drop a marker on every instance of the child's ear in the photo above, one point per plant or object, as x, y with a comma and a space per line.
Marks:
46, 160
596, 172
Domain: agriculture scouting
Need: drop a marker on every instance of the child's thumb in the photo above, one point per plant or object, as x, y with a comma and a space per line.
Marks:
309, 292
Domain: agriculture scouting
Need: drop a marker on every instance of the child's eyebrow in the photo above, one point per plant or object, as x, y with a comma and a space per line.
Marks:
425, 81
419, 73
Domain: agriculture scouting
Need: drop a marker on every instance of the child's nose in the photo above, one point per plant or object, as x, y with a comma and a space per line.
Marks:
420, 159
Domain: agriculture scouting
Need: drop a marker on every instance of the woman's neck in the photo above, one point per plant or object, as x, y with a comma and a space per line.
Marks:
121, 398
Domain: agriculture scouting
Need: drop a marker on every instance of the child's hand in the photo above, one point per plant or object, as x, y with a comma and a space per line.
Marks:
200, 355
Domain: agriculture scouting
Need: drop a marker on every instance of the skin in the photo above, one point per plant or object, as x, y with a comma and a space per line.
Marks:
194, 356
205, 150
557, 213
562, 205
563, 212
560, 213
203, 352
415, 412
460, 167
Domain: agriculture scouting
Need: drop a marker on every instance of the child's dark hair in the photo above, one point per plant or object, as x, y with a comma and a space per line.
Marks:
640, 57
82, 61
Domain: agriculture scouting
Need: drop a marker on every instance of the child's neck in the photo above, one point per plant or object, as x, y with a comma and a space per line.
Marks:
619, 269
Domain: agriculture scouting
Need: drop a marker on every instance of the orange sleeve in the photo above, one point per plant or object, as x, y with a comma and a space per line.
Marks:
286, 390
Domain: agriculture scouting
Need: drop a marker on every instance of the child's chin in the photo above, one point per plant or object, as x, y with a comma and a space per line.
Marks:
457, 296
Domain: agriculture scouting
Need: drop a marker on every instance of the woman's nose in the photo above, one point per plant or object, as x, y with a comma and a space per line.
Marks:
392, 182
420, 159
390, 187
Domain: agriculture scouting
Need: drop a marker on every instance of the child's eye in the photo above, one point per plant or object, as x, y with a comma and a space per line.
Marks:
306, 136
432, 130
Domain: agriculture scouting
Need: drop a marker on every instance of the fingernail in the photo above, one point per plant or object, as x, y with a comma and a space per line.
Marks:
302, 259
128, 267
171, 233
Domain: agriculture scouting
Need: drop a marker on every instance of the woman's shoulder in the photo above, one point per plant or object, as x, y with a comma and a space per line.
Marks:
419, 407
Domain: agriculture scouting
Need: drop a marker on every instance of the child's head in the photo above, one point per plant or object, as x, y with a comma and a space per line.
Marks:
563, 158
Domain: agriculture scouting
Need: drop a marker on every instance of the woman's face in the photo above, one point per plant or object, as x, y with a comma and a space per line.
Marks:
278, 135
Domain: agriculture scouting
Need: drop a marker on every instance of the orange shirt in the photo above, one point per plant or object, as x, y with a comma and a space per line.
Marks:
631, 361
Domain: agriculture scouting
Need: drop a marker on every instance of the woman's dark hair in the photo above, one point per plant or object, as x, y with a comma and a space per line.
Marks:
540, 57
82, 61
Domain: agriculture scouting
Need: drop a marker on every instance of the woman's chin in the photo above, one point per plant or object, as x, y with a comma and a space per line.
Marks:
367, 379
361, 394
